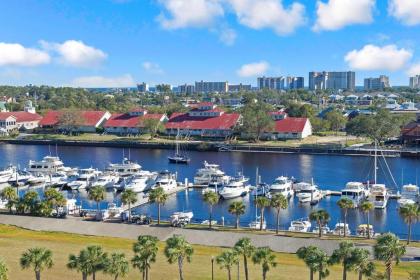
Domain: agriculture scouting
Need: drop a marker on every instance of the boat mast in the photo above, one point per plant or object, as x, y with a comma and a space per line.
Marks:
376, 163
177, 144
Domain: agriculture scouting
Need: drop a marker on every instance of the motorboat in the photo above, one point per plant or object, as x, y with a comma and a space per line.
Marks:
356, 192
180, 219
106, 180
124, 169
20, 177
379, 196
236, 187
409, 195
85, 179
309, 193
257, 224
37, 179
57, 179
207, 223
48, 165
262, 190
282, 185
141, 181
210, 172
166, 180
324, 229
300, 225
214, 186
6, 174
362, 231
340, 228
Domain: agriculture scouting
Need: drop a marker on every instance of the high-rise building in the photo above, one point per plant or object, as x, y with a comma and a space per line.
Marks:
143, 87
275, 83
240, 87
377, 83
208, 87
295, 83
332, 80
415, 82
186, 89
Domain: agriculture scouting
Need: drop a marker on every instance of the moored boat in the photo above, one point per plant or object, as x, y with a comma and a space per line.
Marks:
282, 185
236, 187
300, 225
409, 195
309, 193
356, 192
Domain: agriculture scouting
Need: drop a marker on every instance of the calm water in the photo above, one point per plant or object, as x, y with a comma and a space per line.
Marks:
329, 172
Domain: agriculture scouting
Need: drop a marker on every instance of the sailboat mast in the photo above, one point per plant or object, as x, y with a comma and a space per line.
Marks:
376, 164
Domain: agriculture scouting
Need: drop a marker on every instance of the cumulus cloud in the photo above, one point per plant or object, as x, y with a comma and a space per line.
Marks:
100, 81
152, 67
76, 53
269, 14
18, 55
189, 13
372, 57
253, 69
227, 36
407, 11
414, 70
336, 14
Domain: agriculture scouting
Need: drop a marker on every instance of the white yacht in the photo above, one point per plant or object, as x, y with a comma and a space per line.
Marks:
166, 180
125, 168
85, 179
57, 179
356, 192
47, 165
106, 180
20, 177
362, 231
141, 182
37, 179
309, 193
300, 225
209, 173
282, 185
409, 195
6, 174
236, 187
340, 228
379, 196
324, 230
257, 224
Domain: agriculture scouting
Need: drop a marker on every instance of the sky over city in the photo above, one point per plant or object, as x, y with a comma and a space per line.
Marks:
118, 43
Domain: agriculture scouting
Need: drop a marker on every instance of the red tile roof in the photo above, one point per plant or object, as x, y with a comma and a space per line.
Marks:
291, 125
184, 121
21, 116
125, 120
91, 118
277, 113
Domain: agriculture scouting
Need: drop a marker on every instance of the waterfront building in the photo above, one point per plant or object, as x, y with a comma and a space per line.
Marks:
231, 102
25, 120
410, 134
415, 82
239, 88
186, 89
7, 124
131, 122
286, 127
205, 120
273, 83
295, 82
332, 80
209, 87
379, 83
143, 87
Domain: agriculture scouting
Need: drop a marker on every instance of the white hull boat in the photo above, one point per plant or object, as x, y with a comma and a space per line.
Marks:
356, 192
166, 180
340, 228
379, 196
236, 188
300, 226
282, 185
409, 195
309, 193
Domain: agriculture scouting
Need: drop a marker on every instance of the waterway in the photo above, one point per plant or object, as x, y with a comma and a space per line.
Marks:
330, 172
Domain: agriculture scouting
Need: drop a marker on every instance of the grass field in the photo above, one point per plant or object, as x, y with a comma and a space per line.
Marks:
13, 241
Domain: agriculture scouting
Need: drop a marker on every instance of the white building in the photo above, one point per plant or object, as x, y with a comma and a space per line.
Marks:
415, 82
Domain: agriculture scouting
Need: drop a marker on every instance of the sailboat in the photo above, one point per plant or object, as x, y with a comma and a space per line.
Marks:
378, 192
256, 224
178, 157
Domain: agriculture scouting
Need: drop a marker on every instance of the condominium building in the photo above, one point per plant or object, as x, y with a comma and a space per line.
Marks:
240, 87
377, 83
415, 82
274, 83
186, 89
295, 82
332, 80
143, 87
208, 87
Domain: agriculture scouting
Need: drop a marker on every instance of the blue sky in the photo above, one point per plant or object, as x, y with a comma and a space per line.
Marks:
121, 42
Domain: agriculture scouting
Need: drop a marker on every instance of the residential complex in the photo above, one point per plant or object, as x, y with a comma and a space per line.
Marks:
280, 83
295, 82
415, 82
332, 80
377, 83
208, 87
143, 87
239, 87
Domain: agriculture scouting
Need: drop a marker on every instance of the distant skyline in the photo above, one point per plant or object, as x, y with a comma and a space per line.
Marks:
118, 43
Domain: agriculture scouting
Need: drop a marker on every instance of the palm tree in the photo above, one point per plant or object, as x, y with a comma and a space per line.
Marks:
262, 202
307, 255
227, 259
211, 198
54, 198
388, 249
178, 250
90, 261
245, 248
343, 255
360, 262
345, 204
97, 194
117, 265
80, 263
410, 214
37, 258
321, 262
145, 250
366, 207
237, 208
30, 201
129, 197
279, 202
3, 270
158, 196
266, 258
11, 196
321, 217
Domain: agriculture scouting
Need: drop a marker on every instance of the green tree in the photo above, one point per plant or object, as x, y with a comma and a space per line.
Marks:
128, 197
309, 255
413, 275
96, 259
360, 262
245, 248
321, 261
227, 260
279, 202
211, 198
266, 258
9, 194
97, 194
152, 126
70, 120
158, 196
80, 263
55, 199
411, 215
367, 207
3, 270
30, 201
262, 202
237, 208
336, 120
37, 258
256, 120
389, 250
321, 217
117, 265
343, 255
345, 204
145, 251
178, 250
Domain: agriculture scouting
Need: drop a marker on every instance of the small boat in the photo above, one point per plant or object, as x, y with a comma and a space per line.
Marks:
409, 195
257, 224
379, 196
210, 172
356, 192
125, 168
309, 193
20, 177
236, 187
300, 226
166, 180
141, 182
340, 228
37, 179
362, 230
178, 157
7, 174
48, 165
85, 179
324, 229
262, 190
106, 180
207, 222
180, 219
282, 185
57, 179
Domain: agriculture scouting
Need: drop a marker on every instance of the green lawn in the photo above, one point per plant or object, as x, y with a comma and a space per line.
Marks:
13, 241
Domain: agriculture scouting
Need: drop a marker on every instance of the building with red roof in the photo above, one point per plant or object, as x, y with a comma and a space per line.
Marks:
205, 120
286, 127
131, 122
91, 120
24, 120
410, 134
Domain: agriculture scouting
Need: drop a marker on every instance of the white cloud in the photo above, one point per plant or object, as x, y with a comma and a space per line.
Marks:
372, 57
18, 55
253, 69
76, 53
153, 68
227, 36
414, 70
407, 11
269, 14
337, 14
189, 13
100, 81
